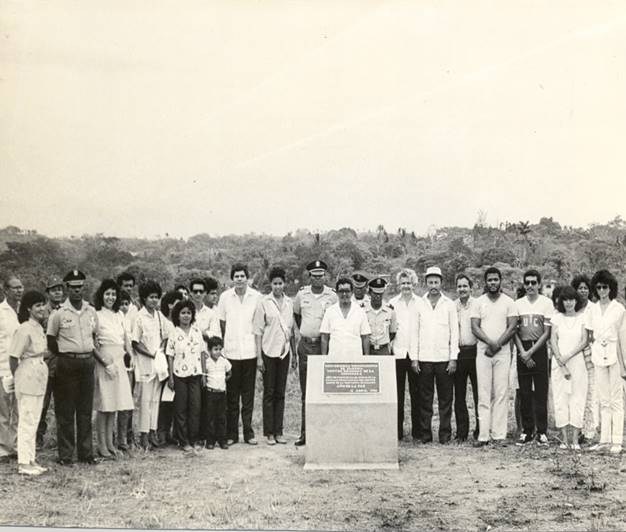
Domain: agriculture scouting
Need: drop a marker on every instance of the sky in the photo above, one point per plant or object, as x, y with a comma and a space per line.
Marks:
141, 118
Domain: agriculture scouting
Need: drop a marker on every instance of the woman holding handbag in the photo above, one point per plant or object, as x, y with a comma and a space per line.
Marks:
112, 389
274, 337
149, 334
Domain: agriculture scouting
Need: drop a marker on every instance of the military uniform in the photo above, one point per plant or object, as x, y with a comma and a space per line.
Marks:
311, 308
363, 303
382, 323
74, 380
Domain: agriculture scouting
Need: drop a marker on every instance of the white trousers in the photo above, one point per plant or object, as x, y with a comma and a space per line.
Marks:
147, 398
493, 395
609, 388
569, 395
8, 422
29, 407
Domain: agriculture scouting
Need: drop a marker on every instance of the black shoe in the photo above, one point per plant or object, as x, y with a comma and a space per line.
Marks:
480, 443
210, 446
461, 439
300, 441
65, 461
426, 440
223, 445
89, 461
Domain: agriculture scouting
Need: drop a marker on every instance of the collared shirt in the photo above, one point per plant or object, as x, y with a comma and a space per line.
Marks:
274, 322
382, 323
345, 333
312, 308
8, 326
438, 331
208, 321
238, 315
74, 329
185, 348
216, 371
131, 315
534, 317
606, 329
29, 346
150, 330
493, 317
464, 312
50, 309
407, 315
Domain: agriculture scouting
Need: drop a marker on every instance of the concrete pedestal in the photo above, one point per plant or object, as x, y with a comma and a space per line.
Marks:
349, 426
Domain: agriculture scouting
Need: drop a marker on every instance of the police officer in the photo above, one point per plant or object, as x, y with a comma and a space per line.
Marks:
359, 283
71, 337
382, 319
56, 295
309, 306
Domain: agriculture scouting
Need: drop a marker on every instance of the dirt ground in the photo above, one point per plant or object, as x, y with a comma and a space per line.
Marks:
262, 487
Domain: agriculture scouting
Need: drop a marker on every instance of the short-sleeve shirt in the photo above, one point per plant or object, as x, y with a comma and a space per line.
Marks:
345, 333
185, 348
312, 308
493, 316
216, 371
606, 328
150, 330
29, 346
382, 323
74, 329
208, 321
238, 315
111, 328
534, 317
274, 323
464, 313
8, 326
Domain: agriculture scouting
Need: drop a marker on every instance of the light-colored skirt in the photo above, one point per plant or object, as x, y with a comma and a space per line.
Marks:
112, 394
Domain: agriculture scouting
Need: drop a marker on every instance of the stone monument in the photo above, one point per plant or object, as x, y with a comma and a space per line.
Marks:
351, 413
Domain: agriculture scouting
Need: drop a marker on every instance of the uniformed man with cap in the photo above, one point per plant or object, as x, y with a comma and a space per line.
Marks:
56, 295
381, 317
360, 297
71, 331
309, 306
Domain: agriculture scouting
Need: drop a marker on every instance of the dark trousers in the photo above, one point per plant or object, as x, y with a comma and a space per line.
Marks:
125, 417
240, 386
274, 384
382, 350
305, 348
466, 368
165, 423
403, 370
187, 403
43, 423
73, 404
434, 374
534, 403
214, 416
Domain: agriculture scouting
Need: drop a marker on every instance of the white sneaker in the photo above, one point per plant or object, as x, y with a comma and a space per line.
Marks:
615, 449
563, 446
43, 469
543, 439
599, 447
523, 439
28, 469
576, 447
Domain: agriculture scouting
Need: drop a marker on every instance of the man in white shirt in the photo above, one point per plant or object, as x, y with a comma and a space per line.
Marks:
126, 281
345, 330
534, 311
466, 362
437, 356
13, 290
494, 321
235, 309
207, 319
404, 348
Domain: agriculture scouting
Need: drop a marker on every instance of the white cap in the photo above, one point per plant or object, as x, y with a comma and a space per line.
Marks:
433, 270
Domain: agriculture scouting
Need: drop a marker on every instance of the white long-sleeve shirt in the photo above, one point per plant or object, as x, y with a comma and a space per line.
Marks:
407, 315
438, 331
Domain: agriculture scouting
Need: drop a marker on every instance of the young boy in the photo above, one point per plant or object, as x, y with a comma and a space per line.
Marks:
216, 370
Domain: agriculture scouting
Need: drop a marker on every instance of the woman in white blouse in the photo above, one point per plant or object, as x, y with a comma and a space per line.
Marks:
31, 377
112, 389
606, 322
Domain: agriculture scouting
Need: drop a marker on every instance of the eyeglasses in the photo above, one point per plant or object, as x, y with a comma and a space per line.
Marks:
602, 287
197, 291
531, 283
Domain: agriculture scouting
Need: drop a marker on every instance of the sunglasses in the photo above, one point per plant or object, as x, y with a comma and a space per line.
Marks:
602, 287
197, 291
531, 283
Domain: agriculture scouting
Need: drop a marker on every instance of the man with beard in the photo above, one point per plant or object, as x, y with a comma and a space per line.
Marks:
494, 321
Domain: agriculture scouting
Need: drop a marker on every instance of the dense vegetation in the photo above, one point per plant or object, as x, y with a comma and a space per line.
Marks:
557, 251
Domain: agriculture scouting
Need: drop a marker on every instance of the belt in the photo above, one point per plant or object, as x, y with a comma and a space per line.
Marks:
379, 346
214, 390
77, 355
310, 340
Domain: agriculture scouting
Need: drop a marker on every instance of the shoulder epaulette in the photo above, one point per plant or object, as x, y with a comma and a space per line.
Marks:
390, 306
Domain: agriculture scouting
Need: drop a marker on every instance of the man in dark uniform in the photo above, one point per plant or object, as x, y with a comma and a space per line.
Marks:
71, 331
359, 283
309, 306
382, 319
54, 290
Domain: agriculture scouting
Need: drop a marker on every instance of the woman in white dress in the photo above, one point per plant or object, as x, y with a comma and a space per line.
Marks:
606, 322
112, 389
569, 374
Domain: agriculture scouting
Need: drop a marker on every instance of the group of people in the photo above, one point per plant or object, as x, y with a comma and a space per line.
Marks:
181, 367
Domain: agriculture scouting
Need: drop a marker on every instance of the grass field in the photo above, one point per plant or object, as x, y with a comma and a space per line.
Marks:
437, 487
